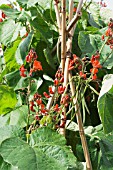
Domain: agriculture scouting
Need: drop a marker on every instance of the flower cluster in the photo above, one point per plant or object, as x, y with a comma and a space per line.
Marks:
3, 16
96, 65
35, 65
102, 4
109, 34
80, 65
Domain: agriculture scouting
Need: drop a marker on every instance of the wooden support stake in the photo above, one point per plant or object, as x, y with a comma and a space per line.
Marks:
80, 125
63, 35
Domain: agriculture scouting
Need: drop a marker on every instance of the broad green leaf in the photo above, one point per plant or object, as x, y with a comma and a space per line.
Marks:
38, 23
27, 3
6, 166
4, 120
9, 31
49, 58
10, 64
13, 78
10, 12
46, 135
44, 155
23, 48
22, 3
87, 43
45, 4
95, 12
105, 106
11, 131
18, 153
17, 117
24, 82
103, 150
32, 3
46, 77
7, 99
9, 57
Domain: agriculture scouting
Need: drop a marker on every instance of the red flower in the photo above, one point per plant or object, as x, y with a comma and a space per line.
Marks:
75, 58
74, 9
31, 71
39, 101
50, 90
46, 95
94, 77
1, 20
37, 65
96, 64
3, 15
102, 38
61, 80
94, 70
109, 32
28, 59
82, 75
56, 82
56, 108
32, 106
61, 89
22, 71
42, 106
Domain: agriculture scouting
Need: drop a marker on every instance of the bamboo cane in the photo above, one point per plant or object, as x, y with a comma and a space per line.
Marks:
68, 76
81, 129
57, 15
63, 35
69, 44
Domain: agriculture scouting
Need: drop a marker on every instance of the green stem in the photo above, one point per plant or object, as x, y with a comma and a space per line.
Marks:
28, 94
103, 46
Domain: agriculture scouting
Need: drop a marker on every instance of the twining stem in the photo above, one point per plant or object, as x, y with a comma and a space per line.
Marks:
103, 46
80, 125
28, 94
106, 58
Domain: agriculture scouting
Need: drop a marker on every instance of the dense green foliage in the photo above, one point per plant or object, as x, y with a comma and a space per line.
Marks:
45, 148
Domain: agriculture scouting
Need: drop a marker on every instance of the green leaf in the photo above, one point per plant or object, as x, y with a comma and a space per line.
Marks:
7, 99
38, 23
23, 48
105, 106
45, 155
10, 12
25, 155
24, 82
86, 42
46, 135
49, 58
95, 12
6, 166
104, 151
13, 78
9, 31
17, 117
27, 3
9, 56
11, 131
